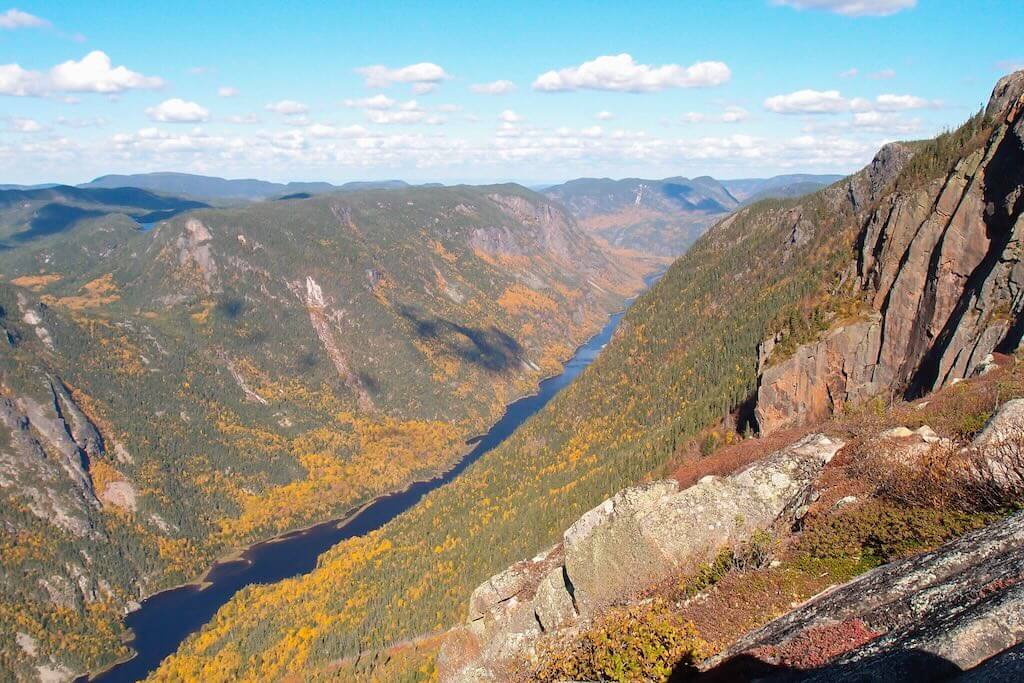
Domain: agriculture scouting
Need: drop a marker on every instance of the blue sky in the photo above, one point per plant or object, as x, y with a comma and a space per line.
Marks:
481, 91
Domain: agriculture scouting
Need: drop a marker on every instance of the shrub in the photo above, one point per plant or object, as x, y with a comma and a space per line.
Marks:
882, 531
645, 642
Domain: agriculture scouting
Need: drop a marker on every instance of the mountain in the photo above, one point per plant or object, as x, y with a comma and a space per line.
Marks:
660, 217
169, 395
900, 280
27, 216
663, 217
210, 187
749, 190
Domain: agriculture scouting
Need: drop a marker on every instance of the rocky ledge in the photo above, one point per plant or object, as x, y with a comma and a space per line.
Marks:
627, 544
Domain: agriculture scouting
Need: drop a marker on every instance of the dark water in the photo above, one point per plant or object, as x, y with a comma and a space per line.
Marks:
167, 618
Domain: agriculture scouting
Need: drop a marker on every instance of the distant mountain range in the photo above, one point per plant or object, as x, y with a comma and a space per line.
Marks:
654, 217
665, 216
211, 187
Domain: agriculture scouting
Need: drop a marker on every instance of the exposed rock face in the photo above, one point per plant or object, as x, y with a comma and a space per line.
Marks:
634, 540
941, 269
930, 617
820, 377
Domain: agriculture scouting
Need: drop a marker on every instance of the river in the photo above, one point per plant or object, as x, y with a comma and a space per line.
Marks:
166, 619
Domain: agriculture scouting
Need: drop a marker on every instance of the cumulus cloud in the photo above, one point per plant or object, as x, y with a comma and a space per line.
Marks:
849, 73
287, 107
883, 74
94, 73
243, 119
493, 88
621, 73
23, 125
177, 110
14, 19
227, 91
852, 8
808, 102
604, 116
904, 102
832, 102
509, 116
376, 102
422, 75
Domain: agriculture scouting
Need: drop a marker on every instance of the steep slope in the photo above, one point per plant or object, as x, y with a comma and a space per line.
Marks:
660, 217
686, 357
936, 276
211, 187
166, 396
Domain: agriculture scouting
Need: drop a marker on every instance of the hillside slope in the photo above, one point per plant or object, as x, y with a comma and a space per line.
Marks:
664, 217
685, 358
661, 217
166, 396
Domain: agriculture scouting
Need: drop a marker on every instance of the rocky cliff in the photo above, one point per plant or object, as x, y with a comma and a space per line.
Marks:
936, 266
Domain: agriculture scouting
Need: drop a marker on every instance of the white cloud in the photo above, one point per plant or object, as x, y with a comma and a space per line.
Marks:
883, 74
93, 73
408, 113
287, 107
734, 114
852, 8
376, 102
493, 88
23, 125
243, 119
621, 73
731, 114
833, 102
14, 19
808, 102
904, 102
849, 73
509, 116
21, 83
887, 122
82, 123
227, 91
322, 130
424, 88
177, 110
604, 116
378, 76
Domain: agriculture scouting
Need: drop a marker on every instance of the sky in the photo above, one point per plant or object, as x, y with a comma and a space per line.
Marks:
453, 91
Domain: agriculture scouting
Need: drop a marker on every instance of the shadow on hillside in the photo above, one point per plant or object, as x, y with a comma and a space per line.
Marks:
490, 349
889, 667
52, 219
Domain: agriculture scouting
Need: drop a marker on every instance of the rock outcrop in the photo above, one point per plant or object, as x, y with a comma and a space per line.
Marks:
928, 617
631, 542
939, 266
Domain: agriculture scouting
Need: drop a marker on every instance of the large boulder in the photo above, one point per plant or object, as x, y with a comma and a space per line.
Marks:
643, 536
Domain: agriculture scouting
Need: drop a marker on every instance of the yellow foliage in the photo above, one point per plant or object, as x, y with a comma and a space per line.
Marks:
519, 299
35, 282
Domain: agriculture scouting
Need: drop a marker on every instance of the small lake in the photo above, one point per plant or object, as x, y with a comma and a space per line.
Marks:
167, 618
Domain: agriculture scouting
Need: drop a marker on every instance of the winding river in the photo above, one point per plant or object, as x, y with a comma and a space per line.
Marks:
166, 619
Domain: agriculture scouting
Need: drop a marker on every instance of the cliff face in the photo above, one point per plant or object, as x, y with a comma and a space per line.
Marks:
938, 266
